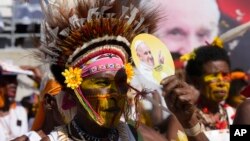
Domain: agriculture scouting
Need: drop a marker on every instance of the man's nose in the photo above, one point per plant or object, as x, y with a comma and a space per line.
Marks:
150, 56
192, 43
113, 88
220, 84
221, 77
220, 80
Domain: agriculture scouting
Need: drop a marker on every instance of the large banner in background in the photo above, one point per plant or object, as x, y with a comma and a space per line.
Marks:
233, 13
187, 24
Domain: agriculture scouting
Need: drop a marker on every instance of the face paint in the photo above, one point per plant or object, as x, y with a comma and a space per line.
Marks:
215, 77
104, 97
217, 86
109, 106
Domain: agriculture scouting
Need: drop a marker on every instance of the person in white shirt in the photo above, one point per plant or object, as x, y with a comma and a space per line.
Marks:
13, 117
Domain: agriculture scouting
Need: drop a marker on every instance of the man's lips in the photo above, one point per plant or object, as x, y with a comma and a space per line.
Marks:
220, 92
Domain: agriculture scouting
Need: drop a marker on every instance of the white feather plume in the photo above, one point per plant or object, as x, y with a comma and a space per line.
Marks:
235, 32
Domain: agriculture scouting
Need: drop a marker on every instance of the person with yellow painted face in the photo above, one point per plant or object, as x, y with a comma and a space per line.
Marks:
209, 72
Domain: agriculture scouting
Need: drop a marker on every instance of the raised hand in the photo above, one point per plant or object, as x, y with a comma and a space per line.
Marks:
180, 97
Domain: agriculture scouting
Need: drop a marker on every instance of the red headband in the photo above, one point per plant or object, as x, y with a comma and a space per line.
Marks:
102, 63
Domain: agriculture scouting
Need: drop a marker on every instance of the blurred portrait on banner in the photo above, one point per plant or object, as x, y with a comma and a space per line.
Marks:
186, 25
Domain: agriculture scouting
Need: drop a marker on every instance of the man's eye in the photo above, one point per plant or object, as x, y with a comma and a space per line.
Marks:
103, 82
203, 35
176, 31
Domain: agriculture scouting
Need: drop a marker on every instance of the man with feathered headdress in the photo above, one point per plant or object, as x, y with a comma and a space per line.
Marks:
90, 45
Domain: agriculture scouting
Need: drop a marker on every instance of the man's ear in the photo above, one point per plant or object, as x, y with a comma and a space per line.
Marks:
69, 100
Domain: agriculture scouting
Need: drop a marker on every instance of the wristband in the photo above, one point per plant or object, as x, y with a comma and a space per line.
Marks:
195, 130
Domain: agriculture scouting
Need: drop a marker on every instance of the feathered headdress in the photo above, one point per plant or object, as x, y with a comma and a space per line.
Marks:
80, 32
74, 28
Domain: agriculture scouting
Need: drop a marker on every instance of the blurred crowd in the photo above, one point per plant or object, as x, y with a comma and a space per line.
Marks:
216, 91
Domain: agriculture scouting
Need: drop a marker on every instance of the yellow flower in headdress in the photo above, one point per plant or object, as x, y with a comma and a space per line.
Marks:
218, 42
188, 56
129, 72
72, 77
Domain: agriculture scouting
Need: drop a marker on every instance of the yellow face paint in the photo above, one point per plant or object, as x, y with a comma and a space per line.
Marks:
217, 86
105, 99
215, 77
109, 106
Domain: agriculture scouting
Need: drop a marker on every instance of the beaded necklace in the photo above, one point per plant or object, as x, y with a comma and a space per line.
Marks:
113, 134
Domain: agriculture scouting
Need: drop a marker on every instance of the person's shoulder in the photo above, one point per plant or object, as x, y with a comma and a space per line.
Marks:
244, 105
242, 113
17, 107
20, 108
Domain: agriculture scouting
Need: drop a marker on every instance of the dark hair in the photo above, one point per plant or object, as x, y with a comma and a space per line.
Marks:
236, 86
203, 55
175, 55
